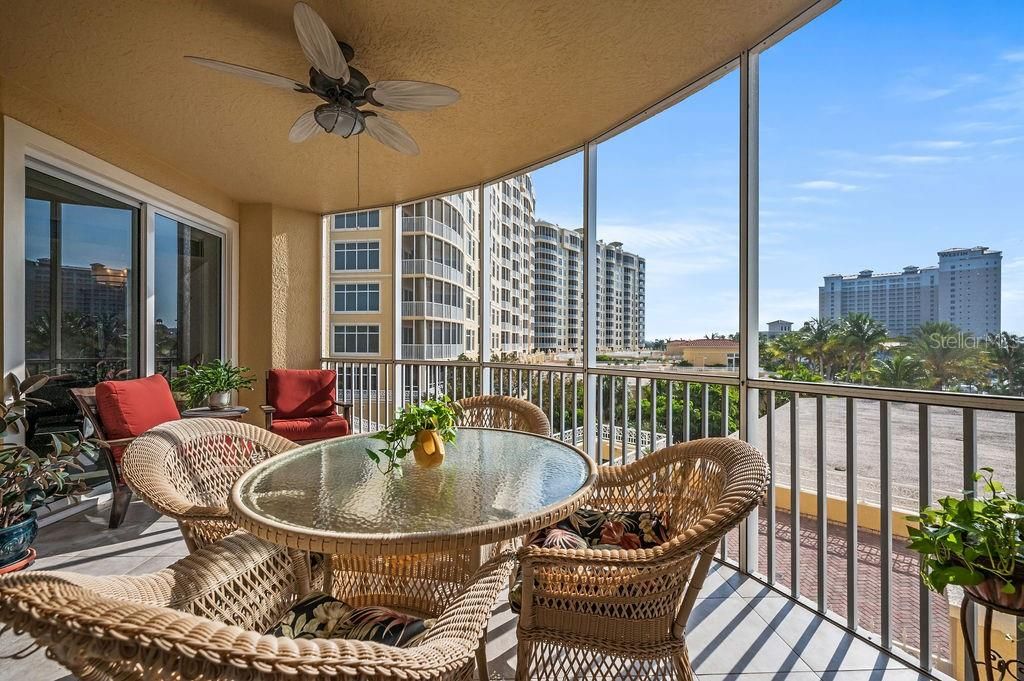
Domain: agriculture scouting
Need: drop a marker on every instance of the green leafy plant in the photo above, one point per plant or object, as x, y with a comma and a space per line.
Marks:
966, 541
439, 415
197, 383
29, 479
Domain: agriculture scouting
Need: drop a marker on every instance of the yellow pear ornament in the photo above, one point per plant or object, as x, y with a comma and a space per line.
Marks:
429, 449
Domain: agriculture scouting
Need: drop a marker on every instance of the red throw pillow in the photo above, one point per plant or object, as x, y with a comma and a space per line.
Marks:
301, 393
130, 408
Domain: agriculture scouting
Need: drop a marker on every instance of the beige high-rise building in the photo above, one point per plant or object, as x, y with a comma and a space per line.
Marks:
558, 293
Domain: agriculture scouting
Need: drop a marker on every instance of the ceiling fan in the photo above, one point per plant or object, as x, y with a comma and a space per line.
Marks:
344, 89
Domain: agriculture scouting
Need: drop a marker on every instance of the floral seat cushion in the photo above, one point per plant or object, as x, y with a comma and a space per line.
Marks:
321, 616
591, 528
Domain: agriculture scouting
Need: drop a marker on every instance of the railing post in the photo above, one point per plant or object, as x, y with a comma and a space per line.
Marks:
749, 347
591, 438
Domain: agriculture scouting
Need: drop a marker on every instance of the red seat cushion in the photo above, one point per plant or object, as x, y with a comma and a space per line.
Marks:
313, 428
301, 393
130, 408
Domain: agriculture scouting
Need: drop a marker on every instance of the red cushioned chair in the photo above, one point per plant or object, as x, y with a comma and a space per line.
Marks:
302, 405
119, 412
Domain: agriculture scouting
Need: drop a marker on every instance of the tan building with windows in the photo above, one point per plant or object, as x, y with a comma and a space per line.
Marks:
705, 352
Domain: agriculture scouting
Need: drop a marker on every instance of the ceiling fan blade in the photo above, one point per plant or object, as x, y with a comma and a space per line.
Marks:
264, 77
304, 127
390, 133
319, 44
410, 95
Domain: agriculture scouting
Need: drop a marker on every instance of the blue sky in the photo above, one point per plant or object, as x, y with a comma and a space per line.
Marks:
889, 131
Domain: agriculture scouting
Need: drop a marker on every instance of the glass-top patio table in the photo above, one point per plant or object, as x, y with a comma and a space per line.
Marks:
494, 485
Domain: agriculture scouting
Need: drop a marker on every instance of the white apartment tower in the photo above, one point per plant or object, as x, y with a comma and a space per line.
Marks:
964, 289
558, 293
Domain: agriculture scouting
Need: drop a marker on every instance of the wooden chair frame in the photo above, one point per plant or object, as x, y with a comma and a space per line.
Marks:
85, 398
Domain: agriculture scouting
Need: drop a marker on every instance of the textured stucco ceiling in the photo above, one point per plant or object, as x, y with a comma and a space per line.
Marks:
537, 77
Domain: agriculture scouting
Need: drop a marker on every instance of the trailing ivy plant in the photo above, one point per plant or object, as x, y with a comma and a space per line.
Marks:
29, 479
966, 541
197, 383
439, 415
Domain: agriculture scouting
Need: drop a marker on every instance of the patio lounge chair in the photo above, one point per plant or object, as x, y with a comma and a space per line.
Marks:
204, 618
302, 405
120, 411
622, 612
185, 470
508, 413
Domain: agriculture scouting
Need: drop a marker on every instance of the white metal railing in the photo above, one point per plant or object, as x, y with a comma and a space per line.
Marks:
454, 313
435, 269
432, 226
877, 453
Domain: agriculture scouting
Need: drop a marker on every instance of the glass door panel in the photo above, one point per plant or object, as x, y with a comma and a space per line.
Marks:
189, 295
81, 293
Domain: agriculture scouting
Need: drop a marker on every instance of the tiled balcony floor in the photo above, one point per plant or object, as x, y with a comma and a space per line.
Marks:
739, 629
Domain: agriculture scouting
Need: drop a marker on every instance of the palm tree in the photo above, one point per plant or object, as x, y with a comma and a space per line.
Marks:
901, 370
1006, 353
948, 354
788, 348
819, 339
862, 336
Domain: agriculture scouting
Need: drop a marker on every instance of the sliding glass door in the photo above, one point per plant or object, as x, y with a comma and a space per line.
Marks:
81, 282
86, 302
188, 295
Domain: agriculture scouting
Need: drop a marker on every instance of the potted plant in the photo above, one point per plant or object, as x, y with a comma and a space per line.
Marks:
28, 479
421, 429
976, 542
211, 383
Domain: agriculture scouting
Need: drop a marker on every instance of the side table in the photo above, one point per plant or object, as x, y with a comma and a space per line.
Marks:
996, 667
234, 413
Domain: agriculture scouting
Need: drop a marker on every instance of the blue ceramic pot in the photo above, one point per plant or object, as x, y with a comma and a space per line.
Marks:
16, 540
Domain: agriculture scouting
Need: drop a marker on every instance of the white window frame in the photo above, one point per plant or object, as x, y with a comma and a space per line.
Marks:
334, 260
343, 353
342, 230
25, 146
334, 296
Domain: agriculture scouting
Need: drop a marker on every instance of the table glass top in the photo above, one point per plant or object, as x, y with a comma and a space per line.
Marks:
487, 477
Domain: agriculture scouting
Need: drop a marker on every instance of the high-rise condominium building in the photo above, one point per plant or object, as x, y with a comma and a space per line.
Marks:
510, 210
440, 276
621, 291
535, 271
964, 289
558, 292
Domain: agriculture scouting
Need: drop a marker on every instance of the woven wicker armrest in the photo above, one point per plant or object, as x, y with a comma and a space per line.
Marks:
84, 627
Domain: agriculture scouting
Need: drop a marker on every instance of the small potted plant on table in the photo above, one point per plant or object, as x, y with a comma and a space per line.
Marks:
976, 542
28, 479
421, 429
211, 383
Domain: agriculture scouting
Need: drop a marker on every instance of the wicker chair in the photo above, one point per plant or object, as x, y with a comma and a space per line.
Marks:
508, 413
203, 618
185, 470
622, 613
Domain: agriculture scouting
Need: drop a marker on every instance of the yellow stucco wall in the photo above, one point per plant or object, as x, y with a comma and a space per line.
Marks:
112, 146
279, 285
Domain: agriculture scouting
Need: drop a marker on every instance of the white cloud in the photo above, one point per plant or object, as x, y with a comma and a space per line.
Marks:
861, 174
914, 159
1013, 56
811, 199
826, 185
940, 144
